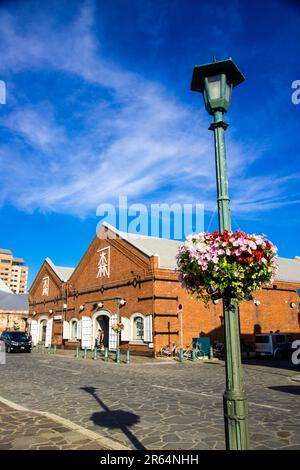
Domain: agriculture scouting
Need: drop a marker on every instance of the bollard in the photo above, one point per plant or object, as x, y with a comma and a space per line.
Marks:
85, 353
127, 356
211, 353
37, 347
95, 354
77, 352
117, 359
43, 348
193, 354
181, 355
54, 349
49, 349
106, 354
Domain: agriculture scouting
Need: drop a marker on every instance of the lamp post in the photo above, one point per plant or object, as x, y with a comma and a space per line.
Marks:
216, 81
120, 303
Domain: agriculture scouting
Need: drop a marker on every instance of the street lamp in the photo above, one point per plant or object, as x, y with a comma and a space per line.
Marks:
120, 303
216, 81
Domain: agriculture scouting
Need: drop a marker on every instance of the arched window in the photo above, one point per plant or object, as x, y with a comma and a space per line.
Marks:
74, 326
138, 328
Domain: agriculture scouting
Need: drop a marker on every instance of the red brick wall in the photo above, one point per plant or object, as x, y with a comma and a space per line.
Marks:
160, 296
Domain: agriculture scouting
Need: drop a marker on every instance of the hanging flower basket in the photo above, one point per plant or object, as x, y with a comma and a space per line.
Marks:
226, 265
117, 327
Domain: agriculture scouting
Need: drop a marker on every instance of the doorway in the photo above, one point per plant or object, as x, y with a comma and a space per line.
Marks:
43, 329
102, 322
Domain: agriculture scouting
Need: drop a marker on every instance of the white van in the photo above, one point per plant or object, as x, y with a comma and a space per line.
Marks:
277, 345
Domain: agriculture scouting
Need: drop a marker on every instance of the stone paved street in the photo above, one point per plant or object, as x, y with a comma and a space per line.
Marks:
147, 404
30, 431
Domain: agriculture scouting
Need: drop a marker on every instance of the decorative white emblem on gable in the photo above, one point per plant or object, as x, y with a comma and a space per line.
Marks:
104, 262
45, 290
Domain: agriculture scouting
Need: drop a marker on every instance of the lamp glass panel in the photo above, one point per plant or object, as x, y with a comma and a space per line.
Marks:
205, 97
214, 86
227, 92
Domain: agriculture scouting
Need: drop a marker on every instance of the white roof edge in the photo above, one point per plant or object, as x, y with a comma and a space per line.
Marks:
124, 236
55, 269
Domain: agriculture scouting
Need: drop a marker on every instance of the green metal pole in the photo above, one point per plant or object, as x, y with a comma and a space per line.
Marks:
95, 354
106, 354
54, 349
181, 355
85, 353
77, 352
234, 398
127, 356
193, 354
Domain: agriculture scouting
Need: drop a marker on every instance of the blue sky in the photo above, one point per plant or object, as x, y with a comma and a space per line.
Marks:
98, 105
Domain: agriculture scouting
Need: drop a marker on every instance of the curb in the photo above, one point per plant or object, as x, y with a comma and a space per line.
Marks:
295, 378
107, 443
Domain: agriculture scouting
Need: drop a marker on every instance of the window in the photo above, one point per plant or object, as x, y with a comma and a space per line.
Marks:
262, 339
74, 329
138, 329
280, 339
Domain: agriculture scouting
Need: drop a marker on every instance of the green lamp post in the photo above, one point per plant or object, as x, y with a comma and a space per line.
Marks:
120, 303
216, 81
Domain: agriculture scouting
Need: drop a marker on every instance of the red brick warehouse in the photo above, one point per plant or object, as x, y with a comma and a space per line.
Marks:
67, 306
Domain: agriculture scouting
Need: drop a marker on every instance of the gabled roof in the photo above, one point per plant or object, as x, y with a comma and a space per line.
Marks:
64, 273
289, 269
4, 287
162, 247
13, 302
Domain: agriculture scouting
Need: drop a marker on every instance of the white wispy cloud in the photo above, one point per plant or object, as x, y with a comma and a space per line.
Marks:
135, 140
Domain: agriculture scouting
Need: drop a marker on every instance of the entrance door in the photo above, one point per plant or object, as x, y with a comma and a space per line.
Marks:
103, 322
43, 329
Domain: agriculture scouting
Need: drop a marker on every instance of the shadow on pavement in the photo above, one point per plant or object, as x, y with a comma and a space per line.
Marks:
116, 419
285, 364
293, 389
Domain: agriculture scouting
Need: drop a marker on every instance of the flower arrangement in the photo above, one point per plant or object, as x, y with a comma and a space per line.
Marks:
226, 265
118, 327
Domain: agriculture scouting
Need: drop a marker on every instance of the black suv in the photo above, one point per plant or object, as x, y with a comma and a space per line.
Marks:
16, 341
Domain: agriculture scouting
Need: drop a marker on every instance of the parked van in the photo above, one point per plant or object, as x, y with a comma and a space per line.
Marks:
277, 345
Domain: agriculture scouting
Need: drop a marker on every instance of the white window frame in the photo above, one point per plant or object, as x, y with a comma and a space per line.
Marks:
71, 338
39, 320
132, 318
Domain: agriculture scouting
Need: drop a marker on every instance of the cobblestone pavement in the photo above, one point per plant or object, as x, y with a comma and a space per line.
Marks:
31, 431
152, 404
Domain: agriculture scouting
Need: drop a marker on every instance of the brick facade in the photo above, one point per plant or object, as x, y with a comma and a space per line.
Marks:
150, 290
10, 319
